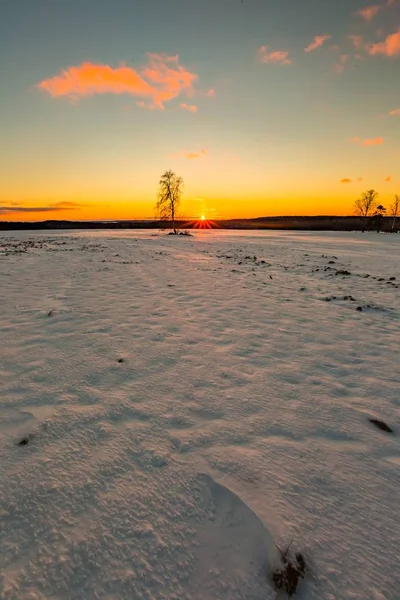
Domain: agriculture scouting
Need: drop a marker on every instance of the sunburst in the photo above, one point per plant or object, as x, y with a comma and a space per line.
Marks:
202, 223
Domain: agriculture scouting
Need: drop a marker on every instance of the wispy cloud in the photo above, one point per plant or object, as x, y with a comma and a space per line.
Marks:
210, 93
318, 41
369, 12
357, 41
369, 142
4, 210
395, 112
190, 107
68, 205
17, 207
194, 155
340, 65
389, 47
162, 79
388, 178
280, 57
345, 180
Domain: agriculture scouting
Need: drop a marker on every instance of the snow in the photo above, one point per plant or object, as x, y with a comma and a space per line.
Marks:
237, 418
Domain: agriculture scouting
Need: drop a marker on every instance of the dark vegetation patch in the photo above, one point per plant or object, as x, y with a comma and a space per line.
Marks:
346, 298
186, 233
381, 425
288, 577
373, 307
25, 440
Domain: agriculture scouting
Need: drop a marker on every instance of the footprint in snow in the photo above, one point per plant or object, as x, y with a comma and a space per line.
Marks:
235, 549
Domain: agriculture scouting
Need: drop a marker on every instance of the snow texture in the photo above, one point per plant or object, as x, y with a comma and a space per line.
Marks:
172, 407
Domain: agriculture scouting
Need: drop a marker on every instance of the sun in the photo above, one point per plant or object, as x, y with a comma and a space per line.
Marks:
202, 222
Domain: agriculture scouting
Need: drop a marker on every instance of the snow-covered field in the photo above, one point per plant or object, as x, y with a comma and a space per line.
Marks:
187, 402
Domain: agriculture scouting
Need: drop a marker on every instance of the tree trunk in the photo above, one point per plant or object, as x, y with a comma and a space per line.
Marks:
173, 217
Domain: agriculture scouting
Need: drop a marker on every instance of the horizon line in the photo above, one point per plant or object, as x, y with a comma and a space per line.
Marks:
185, 219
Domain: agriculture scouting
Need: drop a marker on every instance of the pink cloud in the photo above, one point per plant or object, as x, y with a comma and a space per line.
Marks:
89, 79
389, 47
210, 93
278, 56
168, 76
369, 142
190, 107
395, 112
369, 12
162, 79
319, 41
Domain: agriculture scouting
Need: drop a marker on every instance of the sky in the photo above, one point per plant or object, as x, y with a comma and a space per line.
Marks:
264, 107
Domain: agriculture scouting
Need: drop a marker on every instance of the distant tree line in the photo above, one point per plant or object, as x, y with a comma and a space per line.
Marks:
373, 214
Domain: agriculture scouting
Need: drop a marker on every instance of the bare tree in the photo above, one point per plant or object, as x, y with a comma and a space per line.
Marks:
395, 210
366, 205
169, 196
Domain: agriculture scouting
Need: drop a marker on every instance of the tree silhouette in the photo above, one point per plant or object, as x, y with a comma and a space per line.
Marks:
169, 196
377, 217
366, 205
395, 210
